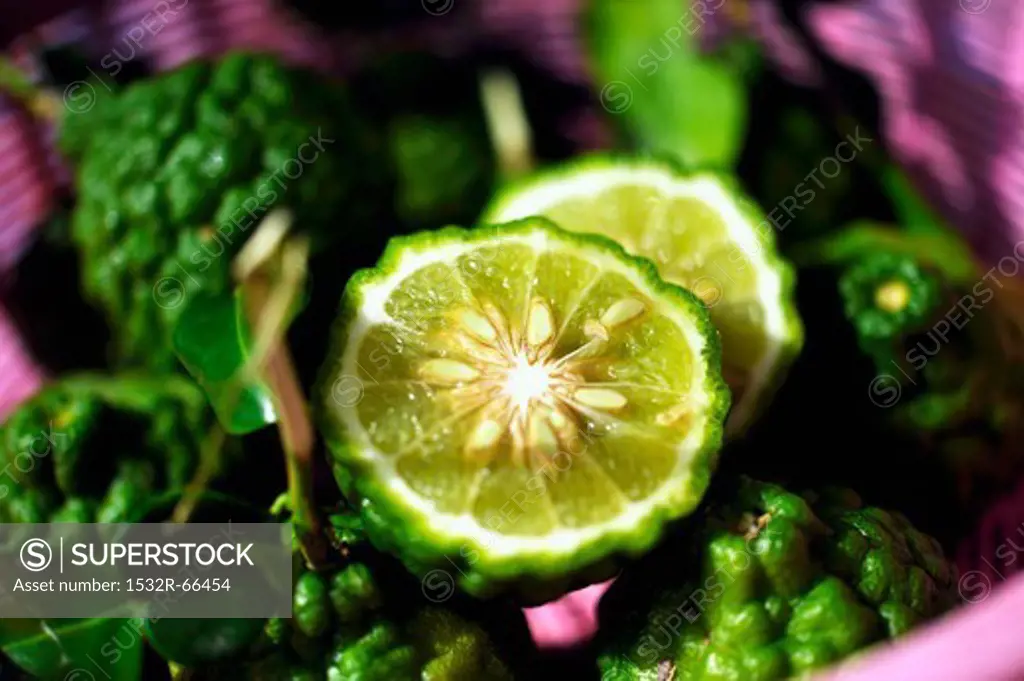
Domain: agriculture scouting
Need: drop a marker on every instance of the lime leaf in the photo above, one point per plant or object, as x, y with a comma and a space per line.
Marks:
104, 648
135, 393
670, 97
912, 211
940, 249
196, 641
213, 343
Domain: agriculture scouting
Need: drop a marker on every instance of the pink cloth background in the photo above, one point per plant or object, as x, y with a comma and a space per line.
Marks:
951, 77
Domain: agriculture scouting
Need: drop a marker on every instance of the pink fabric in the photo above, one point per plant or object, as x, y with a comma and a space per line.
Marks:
20, 376
25, 199
568, 621
25, 187
951, 75
953, 101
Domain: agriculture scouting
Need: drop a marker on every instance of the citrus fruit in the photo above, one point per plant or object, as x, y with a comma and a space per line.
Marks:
514, 405
703, 234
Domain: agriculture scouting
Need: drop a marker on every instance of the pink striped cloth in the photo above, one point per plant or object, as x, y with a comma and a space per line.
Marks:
951, 77
25, 197
26, 188
950, 74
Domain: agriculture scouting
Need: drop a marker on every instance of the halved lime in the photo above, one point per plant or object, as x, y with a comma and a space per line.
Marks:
703, 234
513, 404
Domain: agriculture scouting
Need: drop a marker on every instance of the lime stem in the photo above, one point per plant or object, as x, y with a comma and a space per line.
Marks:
270, 270
508, 124
209, 467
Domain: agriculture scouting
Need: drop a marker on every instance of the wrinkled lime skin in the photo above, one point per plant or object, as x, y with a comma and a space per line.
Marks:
346, 626
177, 171
97, 451
343, 618
780, 584
444, 167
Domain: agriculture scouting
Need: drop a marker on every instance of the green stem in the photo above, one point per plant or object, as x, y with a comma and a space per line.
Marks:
208, 468
271, 271
508, 124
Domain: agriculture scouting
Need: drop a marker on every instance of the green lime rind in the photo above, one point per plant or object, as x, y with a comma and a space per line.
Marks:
787, 344
420, 539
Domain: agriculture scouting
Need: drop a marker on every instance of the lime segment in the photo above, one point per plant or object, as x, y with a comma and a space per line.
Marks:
701, 234
532, 398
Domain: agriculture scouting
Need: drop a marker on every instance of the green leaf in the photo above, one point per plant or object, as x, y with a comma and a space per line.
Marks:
135, 393
668, 96
941, 250
104, 648
912, 211
213, 343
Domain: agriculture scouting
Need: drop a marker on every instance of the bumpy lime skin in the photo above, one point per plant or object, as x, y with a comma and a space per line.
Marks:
879, 330
312, 613
53, 421
785, 584
176, 172
342, 630
405, 532
65, 455
353, 591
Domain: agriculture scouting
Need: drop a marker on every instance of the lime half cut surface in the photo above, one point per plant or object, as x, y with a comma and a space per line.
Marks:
703, 235
517, 404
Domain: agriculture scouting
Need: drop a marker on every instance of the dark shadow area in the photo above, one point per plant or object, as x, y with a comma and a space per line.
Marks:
828, 427
61, 330
377, 15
